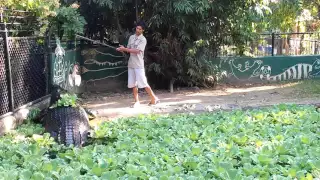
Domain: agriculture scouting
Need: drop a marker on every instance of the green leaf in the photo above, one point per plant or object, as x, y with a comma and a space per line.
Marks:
25, 175
305, 140
37, 176
232, 174
292, 173
109, 175
47, 167
196, 151
265, 160
97, 171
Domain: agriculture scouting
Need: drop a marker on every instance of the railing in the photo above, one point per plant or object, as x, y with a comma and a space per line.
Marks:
275, 44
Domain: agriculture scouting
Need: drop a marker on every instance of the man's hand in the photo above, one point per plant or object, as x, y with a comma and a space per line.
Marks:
121, 48
127, 50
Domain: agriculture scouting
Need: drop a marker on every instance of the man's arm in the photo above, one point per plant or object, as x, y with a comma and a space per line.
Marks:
140, 48
133, 51
121, 47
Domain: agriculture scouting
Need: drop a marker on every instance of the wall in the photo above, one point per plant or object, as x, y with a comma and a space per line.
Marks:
270, 69
104, 69
62, 66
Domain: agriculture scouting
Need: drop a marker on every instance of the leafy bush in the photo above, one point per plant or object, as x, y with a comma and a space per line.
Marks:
200, 66
33, 114
276, 143
192, 67
166, 61
37, 18
65, 20
68, 22
67, 100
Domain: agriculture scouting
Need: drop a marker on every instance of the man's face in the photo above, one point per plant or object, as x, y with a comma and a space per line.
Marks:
139, 30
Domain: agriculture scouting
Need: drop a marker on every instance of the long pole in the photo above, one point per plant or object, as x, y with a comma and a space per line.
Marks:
9, 70
97, 42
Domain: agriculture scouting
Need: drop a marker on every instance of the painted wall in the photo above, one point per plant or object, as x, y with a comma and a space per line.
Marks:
270, 69
102, 69
102, 63
62, 67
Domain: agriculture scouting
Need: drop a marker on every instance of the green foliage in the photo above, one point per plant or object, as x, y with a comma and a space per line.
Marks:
37, 17
33, 114
276, 143
177, 29
65, 20
175, 26
68, 22
67, 100
285, 14
169, 55
200, 66
42, 8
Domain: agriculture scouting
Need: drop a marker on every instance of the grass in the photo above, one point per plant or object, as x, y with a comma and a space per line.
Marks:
307, 88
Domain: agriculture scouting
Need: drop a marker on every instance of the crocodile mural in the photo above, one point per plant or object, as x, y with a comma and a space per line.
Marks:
298, 71
271, 68
246, 72
99, 64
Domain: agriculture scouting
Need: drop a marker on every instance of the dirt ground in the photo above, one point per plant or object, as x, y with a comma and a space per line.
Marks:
111, 105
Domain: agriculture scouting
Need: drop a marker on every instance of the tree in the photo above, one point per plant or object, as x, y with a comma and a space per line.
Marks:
64, 20
175, 28
183, 35
36, 16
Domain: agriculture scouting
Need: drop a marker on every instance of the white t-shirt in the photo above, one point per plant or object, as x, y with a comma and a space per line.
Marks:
137, 42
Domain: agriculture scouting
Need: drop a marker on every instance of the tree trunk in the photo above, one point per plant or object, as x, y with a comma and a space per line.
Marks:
301, 45
137, 11
120, 32
171, 85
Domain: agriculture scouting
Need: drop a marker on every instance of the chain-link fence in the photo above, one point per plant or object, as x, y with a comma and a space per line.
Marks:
4, 98
273, 44
28, 80
23, 61
28, 76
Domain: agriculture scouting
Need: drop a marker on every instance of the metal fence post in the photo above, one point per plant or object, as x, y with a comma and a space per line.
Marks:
48, 60
8, 64
272, 44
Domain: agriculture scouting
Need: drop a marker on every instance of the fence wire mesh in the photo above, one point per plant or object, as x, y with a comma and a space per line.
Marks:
28, 65
274, 44
4, 100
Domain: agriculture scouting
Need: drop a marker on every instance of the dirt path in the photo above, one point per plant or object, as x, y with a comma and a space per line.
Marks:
118, 105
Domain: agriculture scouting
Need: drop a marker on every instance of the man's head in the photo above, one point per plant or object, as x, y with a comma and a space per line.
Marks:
140, 27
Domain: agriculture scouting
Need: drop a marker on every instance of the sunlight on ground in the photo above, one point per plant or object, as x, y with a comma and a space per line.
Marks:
307, 88
102, 104
230, 91
191, 101
242, 90
124, 106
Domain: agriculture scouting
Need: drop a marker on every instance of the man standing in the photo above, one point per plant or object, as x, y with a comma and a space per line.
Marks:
136, 72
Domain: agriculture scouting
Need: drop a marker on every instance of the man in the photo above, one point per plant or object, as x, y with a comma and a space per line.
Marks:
136, 72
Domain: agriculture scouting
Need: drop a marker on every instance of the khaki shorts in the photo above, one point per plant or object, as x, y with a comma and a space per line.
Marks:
137, 78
